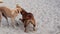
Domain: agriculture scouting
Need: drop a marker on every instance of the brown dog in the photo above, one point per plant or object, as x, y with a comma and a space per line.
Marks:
27, 18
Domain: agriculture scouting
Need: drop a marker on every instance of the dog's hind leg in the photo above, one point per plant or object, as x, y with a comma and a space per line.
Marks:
7, 21
0, 18
34, 24
5, 18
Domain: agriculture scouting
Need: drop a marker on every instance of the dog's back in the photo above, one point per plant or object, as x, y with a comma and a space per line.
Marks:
29, 16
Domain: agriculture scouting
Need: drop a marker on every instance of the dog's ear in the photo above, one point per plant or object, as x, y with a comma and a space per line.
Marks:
17, 6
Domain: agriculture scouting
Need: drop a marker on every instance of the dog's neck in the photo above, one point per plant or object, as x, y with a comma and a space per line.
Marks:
14, 13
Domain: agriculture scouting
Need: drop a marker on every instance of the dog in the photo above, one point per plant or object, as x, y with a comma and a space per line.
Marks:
27, 18
6, 12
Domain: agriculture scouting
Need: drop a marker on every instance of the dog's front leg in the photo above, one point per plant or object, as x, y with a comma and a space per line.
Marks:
13, 22
26, 22
33, 23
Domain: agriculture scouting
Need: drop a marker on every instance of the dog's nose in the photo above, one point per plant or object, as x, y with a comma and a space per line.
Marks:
20, 19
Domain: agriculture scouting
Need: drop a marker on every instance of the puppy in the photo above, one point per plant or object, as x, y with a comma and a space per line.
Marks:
27, 18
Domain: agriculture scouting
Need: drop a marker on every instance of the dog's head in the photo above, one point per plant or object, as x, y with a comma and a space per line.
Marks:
19, 9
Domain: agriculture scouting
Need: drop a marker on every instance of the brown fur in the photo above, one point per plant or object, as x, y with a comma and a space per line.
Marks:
6, 12
27, 18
